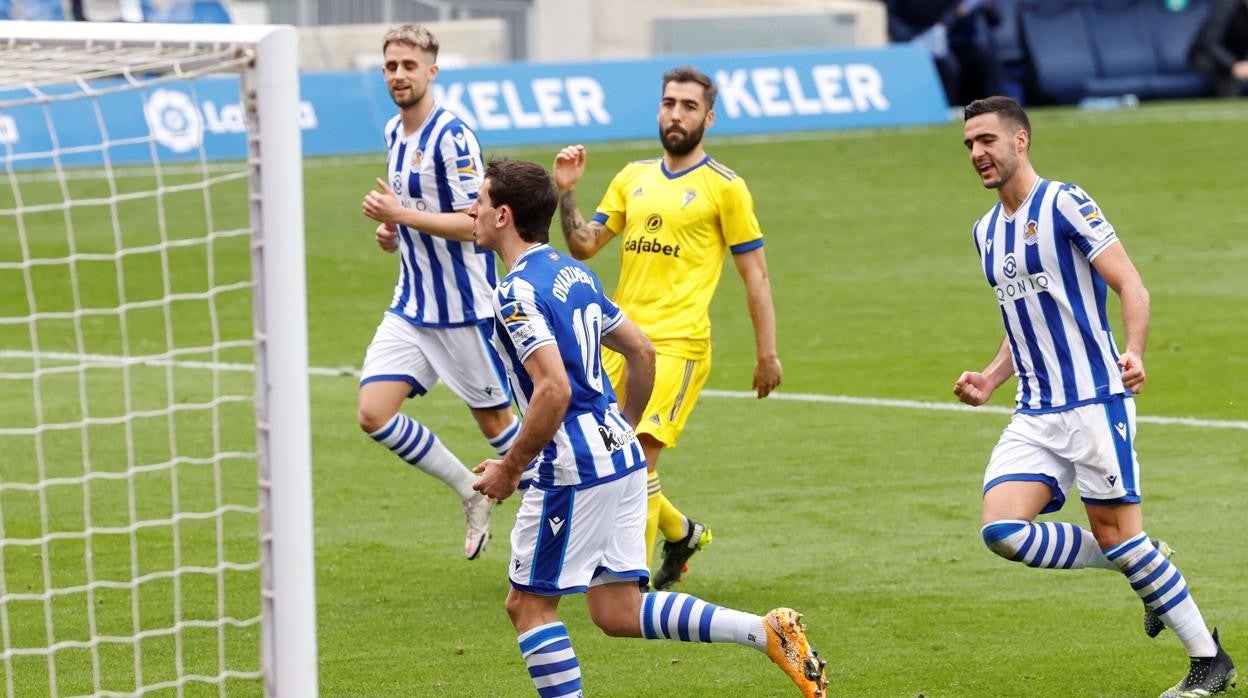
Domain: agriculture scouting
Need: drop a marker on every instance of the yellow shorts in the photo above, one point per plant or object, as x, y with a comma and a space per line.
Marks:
677, 383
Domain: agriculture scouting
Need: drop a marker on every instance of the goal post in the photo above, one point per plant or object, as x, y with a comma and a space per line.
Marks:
138, 273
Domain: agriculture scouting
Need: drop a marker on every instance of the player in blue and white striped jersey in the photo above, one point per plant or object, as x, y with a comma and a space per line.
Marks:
1049, 255
439, 322
581, 526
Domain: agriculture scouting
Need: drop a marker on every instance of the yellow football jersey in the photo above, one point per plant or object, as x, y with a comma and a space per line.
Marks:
676, 229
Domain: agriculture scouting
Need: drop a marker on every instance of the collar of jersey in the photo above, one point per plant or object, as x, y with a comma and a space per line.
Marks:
1026, 200
687, 170
536, 246
433, 114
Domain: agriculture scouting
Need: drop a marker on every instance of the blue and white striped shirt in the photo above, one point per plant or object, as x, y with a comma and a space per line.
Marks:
1039, 264
549, 299
437, 167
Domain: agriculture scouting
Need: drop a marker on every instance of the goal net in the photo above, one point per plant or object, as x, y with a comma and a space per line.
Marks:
155, 496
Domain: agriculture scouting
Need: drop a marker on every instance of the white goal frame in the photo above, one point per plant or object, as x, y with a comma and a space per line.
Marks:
289, 660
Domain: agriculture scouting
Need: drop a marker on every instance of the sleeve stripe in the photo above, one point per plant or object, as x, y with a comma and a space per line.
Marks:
747, 246
600, 217
609, 324
1096, 251
535, 346
723, 171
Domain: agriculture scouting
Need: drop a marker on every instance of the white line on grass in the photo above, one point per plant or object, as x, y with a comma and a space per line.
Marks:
344, 371
954, 407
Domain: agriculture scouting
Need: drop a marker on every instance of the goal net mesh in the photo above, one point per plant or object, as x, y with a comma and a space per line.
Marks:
130, 513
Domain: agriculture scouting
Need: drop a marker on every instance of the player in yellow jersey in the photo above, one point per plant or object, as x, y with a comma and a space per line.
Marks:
678, 215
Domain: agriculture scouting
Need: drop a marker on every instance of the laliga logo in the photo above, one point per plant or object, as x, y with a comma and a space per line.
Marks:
174, 121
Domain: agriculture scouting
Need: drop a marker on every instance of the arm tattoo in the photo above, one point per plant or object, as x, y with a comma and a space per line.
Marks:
570, 219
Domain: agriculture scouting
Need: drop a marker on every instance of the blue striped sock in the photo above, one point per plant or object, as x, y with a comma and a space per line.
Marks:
502, 442
1052, 544
420, 447
1163, 589
547, 651
668, 615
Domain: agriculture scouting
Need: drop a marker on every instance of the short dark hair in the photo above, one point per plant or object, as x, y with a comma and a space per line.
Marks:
527, 190
1004, 107
688, 73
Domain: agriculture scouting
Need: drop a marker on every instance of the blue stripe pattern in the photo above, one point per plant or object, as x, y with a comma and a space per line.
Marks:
647, 617
1052, 298
407, 438
435, 273
584, 458
1116, 414
1070, 284
746, 246
462, 281
664, 614
552, 544
1049, 307
704, 621
502, 443
1035, 354
434, 269
682, 620
446, 202
990, 252
669, 615
1158, 582
594, 443
1075, 547
552, 664
1050, 544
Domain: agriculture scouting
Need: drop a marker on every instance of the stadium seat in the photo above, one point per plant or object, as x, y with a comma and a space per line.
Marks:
1123, 48
1006, 36
1057, 42
1007, 47
1102, 48
1172, 34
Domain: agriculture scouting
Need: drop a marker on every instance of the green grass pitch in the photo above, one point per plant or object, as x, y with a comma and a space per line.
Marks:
865, 517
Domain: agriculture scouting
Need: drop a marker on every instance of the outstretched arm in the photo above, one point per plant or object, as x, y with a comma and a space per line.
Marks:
752, 266
384, 207
975, 387
584, 239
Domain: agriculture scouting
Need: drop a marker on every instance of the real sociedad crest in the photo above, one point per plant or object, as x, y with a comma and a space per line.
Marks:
416, 156
1030, 235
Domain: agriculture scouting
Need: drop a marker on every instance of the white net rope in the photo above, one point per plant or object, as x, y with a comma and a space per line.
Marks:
129, 512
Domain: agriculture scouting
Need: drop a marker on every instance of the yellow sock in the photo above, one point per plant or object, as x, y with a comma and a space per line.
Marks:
654, 504
671, 521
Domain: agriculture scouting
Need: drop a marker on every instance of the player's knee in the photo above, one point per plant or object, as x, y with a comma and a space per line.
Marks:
1000, 537
615, 622
494, 422
371, 419
515, 609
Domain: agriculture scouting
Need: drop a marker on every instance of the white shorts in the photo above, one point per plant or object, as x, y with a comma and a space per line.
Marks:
566, 540
419, 356
1092, 446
